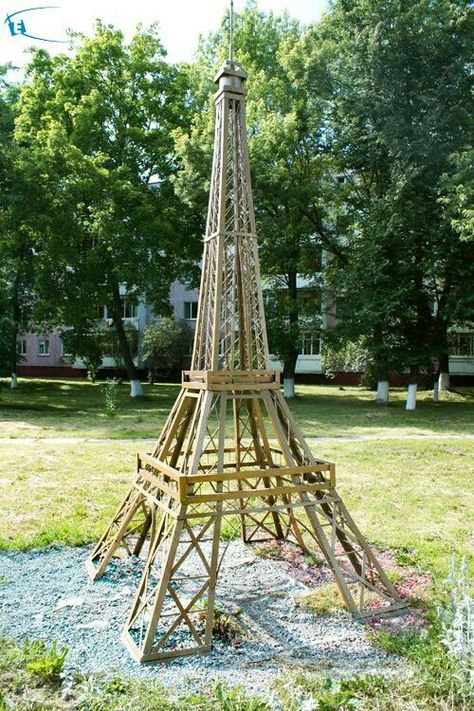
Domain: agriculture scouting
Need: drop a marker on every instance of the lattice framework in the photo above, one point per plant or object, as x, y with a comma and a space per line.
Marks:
230, 446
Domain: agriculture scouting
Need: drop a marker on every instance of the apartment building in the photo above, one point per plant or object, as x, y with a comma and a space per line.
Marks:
43, 355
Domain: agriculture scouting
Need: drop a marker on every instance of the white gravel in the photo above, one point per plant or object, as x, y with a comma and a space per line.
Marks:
47, 595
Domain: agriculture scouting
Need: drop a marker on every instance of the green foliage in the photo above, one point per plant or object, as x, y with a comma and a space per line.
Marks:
305, 691
117, 693
111, 393
97, 127
230, 528
226, 625
327, 598
457, 622
6, 330
404, 248
44, 664
236, 699
458, 194
166, 342
436, 671
339, 354
290, 167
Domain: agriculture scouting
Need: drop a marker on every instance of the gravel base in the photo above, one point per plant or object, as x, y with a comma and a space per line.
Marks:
47, 595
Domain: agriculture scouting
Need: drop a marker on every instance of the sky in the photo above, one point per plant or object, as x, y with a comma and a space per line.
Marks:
180, 21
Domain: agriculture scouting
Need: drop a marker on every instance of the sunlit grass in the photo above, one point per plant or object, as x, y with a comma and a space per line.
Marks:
75, 408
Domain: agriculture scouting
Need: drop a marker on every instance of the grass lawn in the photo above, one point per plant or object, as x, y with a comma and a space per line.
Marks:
51, 408
406, 477
409, 484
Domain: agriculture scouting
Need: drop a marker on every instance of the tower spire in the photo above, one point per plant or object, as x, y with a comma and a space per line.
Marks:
230, 446
231, 32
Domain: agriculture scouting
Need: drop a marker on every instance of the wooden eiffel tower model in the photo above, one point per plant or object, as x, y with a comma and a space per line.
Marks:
230, 446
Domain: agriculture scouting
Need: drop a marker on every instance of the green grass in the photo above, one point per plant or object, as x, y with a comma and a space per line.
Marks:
433, 686
405, 476
408, 489
406, 494
76, 408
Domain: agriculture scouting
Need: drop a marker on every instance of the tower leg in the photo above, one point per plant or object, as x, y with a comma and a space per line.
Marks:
173, 610
351, 559
130, 520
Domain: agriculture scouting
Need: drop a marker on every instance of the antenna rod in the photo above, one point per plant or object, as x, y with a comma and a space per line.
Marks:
231, 38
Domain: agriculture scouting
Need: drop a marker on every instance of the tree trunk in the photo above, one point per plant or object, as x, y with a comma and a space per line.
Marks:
412, 388
443, 380
136, 389
383, 390
289, 365
16, 315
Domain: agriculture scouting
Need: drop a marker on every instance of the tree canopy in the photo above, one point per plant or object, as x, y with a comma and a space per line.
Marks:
400, 115
360, 134
97, 126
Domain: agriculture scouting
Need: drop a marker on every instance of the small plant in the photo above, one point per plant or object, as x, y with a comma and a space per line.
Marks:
370, 686
457, 622
230, 529
45, 664
405, 556
312, 559
327, 598
237, 700
324, 600
226, 625
311, 694
111, 389
268, 550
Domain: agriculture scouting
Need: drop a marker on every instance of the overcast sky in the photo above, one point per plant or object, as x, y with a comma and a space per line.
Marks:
181, 21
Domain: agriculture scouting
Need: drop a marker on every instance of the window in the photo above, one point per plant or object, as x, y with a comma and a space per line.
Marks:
462, 344
21, 347
64, 354
128, 310
43, 347
190, 309
309, 344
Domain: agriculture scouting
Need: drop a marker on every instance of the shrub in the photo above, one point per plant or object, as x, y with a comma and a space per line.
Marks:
45, 664
166, 342
111, 389
457, 622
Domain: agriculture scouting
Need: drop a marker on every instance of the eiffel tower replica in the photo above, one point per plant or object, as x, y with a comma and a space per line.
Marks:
230, 446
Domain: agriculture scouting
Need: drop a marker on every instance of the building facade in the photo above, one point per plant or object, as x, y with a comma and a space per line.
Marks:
43, 355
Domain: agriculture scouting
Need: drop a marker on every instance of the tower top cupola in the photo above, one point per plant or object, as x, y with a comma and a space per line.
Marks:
231, 77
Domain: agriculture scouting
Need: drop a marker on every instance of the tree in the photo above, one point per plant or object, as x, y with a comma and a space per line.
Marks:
6, 329
291, 173
18, 222
98, 126
166, 343
401, 108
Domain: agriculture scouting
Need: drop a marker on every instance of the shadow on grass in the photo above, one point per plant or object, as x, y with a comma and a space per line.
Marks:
78, 407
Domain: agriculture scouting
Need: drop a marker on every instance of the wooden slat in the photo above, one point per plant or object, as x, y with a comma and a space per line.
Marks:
161, 466
256, 473
254, 493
